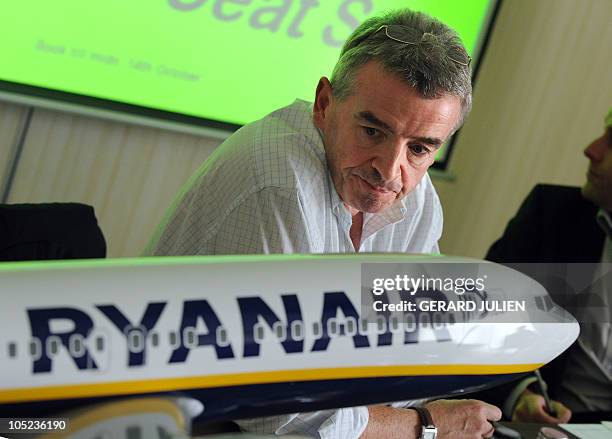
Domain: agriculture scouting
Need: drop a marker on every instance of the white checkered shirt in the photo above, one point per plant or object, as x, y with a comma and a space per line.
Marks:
267, 189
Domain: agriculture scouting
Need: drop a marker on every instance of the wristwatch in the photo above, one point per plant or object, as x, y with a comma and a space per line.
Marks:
428, 429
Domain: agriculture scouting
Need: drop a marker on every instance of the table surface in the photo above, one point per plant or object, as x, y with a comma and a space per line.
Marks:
530, 431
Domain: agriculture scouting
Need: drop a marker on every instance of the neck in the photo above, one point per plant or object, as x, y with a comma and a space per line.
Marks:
351, 210
355, 231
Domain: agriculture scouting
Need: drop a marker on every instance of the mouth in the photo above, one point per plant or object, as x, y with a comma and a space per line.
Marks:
376, 189
592, 175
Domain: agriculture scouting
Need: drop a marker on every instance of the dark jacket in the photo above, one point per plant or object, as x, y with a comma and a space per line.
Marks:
556, 225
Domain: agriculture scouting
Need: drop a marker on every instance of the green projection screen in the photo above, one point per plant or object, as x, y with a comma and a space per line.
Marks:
218, 63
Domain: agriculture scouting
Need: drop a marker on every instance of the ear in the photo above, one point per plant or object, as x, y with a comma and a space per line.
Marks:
322, 104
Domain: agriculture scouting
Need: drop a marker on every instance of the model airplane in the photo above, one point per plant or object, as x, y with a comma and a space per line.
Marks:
262, 335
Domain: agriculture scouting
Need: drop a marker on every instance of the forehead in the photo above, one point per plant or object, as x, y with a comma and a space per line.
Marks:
400, 106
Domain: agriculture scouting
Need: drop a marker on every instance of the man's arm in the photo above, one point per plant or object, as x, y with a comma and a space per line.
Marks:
343, 423
454, 419
391, 422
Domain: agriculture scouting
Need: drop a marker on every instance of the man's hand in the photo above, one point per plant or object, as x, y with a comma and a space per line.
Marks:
531, 407
454, 419
463, 419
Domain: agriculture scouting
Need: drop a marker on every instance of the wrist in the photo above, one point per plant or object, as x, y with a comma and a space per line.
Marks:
414, 423
428, 430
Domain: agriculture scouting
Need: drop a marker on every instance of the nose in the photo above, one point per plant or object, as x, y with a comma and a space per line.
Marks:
388, 161
596, 150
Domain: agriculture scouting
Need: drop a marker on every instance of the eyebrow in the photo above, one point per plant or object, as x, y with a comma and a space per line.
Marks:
373, 120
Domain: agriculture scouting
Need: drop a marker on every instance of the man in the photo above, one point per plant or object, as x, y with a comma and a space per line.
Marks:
558, 224
347, 174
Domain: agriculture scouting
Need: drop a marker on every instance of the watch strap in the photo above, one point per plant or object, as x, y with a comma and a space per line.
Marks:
425, 416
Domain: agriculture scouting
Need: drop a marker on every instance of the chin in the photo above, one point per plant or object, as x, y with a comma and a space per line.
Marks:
367, 209
372, 206
600, 199
589, 192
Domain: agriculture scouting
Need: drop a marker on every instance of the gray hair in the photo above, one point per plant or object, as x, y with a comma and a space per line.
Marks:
425, 66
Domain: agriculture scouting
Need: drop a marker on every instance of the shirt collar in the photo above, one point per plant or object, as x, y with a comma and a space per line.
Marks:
392, 214
605, 222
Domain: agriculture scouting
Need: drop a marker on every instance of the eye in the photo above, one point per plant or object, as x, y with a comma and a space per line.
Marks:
418, 149
370, 132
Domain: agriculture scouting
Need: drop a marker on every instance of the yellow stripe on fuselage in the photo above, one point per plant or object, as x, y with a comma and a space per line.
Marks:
91, 390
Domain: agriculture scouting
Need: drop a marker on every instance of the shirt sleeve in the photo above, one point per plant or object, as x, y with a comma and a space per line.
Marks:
346, 423
271, 220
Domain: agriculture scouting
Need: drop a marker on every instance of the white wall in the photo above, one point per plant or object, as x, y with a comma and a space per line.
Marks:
540, 97
128, 173
11, 117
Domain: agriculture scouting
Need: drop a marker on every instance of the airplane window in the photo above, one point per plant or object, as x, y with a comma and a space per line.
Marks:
154, 339
135, 341
100, 344
394, 323
53, 345
258, 332
12, 350
424, 320
221, 335
76, 347
189, 337
363, 326
438, 320
173, 339
381, 324
332, 327
297, 330
409, 323
280, 331
350, 326
316, 329
35, 349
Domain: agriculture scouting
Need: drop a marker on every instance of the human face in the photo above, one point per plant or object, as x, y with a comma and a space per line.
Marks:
598, 187
380, 140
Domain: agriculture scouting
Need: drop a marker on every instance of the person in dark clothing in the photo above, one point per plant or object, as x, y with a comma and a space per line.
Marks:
566, 225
